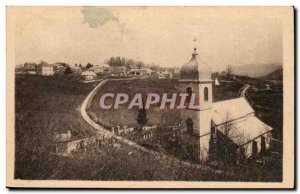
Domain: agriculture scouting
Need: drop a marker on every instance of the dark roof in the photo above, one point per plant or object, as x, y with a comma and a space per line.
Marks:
193, 70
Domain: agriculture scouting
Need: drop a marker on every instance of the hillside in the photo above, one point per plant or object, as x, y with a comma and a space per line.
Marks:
275, 75
255, 70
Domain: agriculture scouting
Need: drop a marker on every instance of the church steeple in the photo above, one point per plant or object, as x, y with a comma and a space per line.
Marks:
195, 78
194, 70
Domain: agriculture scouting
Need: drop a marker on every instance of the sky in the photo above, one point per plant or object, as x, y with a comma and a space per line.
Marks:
164, 36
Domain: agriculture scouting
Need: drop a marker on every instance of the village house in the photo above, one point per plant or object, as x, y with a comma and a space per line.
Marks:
104, 69
176, 70
139, 71
29, 68
117, 71
76, 70
60, 68
45, 69
134, 72
88, 75
146, 71
99, 68
165, 74
225, 130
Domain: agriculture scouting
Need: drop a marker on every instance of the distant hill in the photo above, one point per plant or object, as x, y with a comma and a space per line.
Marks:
255, 70
275, 75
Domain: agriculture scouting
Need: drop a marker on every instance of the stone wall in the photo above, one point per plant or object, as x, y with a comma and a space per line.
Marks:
67, 148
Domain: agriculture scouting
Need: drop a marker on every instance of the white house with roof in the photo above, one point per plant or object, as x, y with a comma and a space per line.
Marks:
134, 72
88, 75
100, 68
224, 130
46, 69
139, 71
146, 71
165, 74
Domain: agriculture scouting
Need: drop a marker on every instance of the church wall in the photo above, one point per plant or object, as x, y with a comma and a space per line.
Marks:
248, 147
208, 104
191, 144
198, 147
193, 85
204, 147
204, 122
194, 116
201, 121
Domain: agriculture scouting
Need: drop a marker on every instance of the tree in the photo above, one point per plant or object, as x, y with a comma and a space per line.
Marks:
68, 70
227, 130
80, 65
111, 62
88, 66
140, 64
142, 117
75, 64
118, 62
129, 63
229, 70
123, 61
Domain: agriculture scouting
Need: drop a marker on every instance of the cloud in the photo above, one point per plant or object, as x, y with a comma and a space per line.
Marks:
95, 16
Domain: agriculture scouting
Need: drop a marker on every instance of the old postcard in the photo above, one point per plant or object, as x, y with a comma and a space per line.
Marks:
150, 97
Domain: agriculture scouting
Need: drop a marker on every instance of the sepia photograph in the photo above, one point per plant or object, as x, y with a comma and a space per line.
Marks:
150, 97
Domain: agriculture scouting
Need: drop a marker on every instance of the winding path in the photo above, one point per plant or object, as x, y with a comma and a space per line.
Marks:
87, 101
243, 90
102, 130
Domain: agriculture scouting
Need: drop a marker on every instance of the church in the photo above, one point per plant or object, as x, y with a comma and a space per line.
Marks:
225, 130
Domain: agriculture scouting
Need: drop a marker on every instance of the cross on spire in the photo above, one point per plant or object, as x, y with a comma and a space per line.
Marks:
195, 46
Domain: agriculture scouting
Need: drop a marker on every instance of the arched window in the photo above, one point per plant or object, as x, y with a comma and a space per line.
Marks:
189, 91
205, 94
189, 126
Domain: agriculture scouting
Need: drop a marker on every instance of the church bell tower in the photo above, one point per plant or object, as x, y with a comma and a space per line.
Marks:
195, 78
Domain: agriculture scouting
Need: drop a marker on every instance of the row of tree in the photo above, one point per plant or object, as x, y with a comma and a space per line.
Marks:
128, 63
131, 63
88, 65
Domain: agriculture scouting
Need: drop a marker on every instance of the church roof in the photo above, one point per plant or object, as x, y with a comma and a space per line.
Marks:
195, 71
245, 130
242, 125
229, 110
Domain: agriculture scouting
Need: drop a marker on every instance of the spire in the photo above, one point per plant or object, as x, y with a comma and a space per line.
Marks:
195, 48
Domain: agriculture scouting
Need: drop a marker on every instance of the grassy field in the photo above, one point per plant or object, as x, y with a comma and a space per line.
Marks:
123, 116
45, 105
